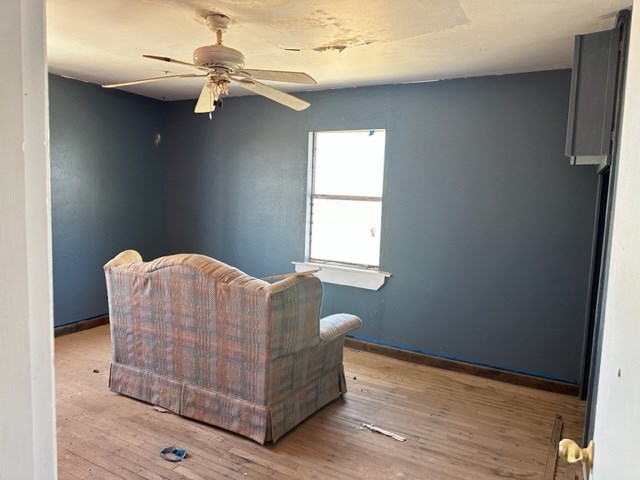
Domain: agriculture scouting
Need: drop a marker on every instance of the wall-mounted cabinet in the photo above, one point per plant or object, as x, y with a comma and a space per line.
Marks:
591, 108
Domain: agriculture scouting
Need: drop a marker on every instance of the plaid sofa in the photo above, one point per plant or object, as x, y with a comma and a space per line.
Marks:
206, 341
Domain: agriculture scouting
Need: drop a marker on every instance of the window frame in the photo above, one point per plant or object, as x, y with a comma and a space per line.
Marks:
311, 196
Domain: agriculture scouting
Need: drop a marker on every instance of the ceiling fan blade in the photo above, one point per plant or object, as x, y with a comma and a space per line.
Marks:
280, 76
273, 94
205, 100
173, 60
153, 79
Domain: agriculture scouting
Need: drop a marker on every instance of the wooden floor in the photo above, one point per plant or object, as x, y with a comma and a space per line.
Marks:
457, 427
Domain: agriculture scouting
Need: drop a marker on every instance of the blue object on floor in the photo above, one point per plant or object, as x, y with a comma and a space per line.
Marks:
173, 454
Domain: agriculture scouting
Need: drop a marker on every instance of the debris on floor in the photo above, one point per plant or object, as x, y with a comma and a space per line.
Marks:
556, 433
373, 428
160, 409
95, 370
173, 454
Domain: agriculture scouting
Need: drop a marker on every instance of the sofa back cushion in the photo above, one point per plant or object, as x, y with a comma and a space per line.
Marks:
193, 319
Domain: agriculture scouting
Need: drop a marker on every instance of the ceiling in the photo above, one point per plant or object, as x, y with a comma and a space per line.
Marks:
341, 43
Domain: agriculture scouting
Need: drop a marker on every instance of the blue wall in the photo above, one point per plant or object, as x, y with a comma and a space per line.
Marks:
107, 189
486, 227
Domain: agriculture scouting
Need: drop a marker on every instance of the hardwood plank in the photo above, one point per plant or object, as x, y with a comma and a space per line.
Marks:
457, 427
134, 458
78, 466
570, 475
464, 367
96, 455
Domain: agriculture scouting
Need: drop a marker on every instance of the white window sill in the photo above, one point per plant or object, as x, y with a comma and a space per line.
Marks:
342, 275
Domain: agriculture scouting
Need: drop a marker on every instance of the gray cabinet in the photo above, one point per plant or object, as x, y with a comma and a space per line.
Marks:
591, 108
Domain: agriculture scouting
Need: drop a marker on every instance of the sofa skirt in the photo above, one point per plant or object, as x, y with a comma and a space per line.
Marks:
262, 423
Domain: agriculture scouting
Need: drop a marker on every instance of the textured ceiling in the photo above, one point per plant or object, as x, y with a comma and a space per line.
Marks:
340, 43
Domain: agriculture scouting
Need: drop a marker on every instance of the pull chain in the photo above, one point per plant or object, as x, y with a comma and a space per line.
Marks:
211, 98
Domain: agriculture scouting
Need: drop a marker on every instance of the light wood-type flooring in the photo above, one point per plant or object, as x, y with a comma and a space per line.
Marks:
457, 427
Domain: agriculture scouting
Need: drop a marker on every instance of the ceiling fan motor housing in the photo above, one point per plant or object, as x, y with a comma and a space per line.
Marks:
216, 56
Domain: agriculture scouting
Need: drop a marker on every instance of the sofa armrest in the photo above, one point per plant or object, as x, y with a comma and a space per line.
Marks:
333, 326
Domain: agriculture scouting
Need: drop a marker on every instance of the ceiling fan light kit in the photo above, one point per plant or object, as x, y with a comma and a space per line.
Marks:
223, 65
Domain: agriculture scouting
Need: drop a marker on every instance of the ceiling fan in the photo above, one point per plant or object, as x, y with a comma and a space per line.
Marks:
221, 66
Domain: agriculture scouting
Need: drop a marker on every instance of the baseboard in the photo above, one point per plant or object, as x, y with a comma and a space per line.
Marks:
81, 325
463, 367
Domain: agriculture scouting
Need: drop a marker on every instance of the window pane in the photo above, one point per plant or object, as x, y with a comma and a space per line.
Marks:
349, 163
346, 231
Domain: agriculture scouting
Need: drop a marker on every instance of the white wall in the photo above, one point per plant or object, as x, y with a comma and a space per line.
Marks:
27, 428
617, 420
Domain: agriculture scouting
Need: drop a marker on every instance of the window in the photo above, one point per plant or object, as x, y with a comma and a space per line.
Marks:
346, 197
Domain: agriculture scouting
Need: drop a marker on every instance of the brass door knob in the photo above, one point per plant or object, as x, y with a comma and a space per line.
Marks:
572, 453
